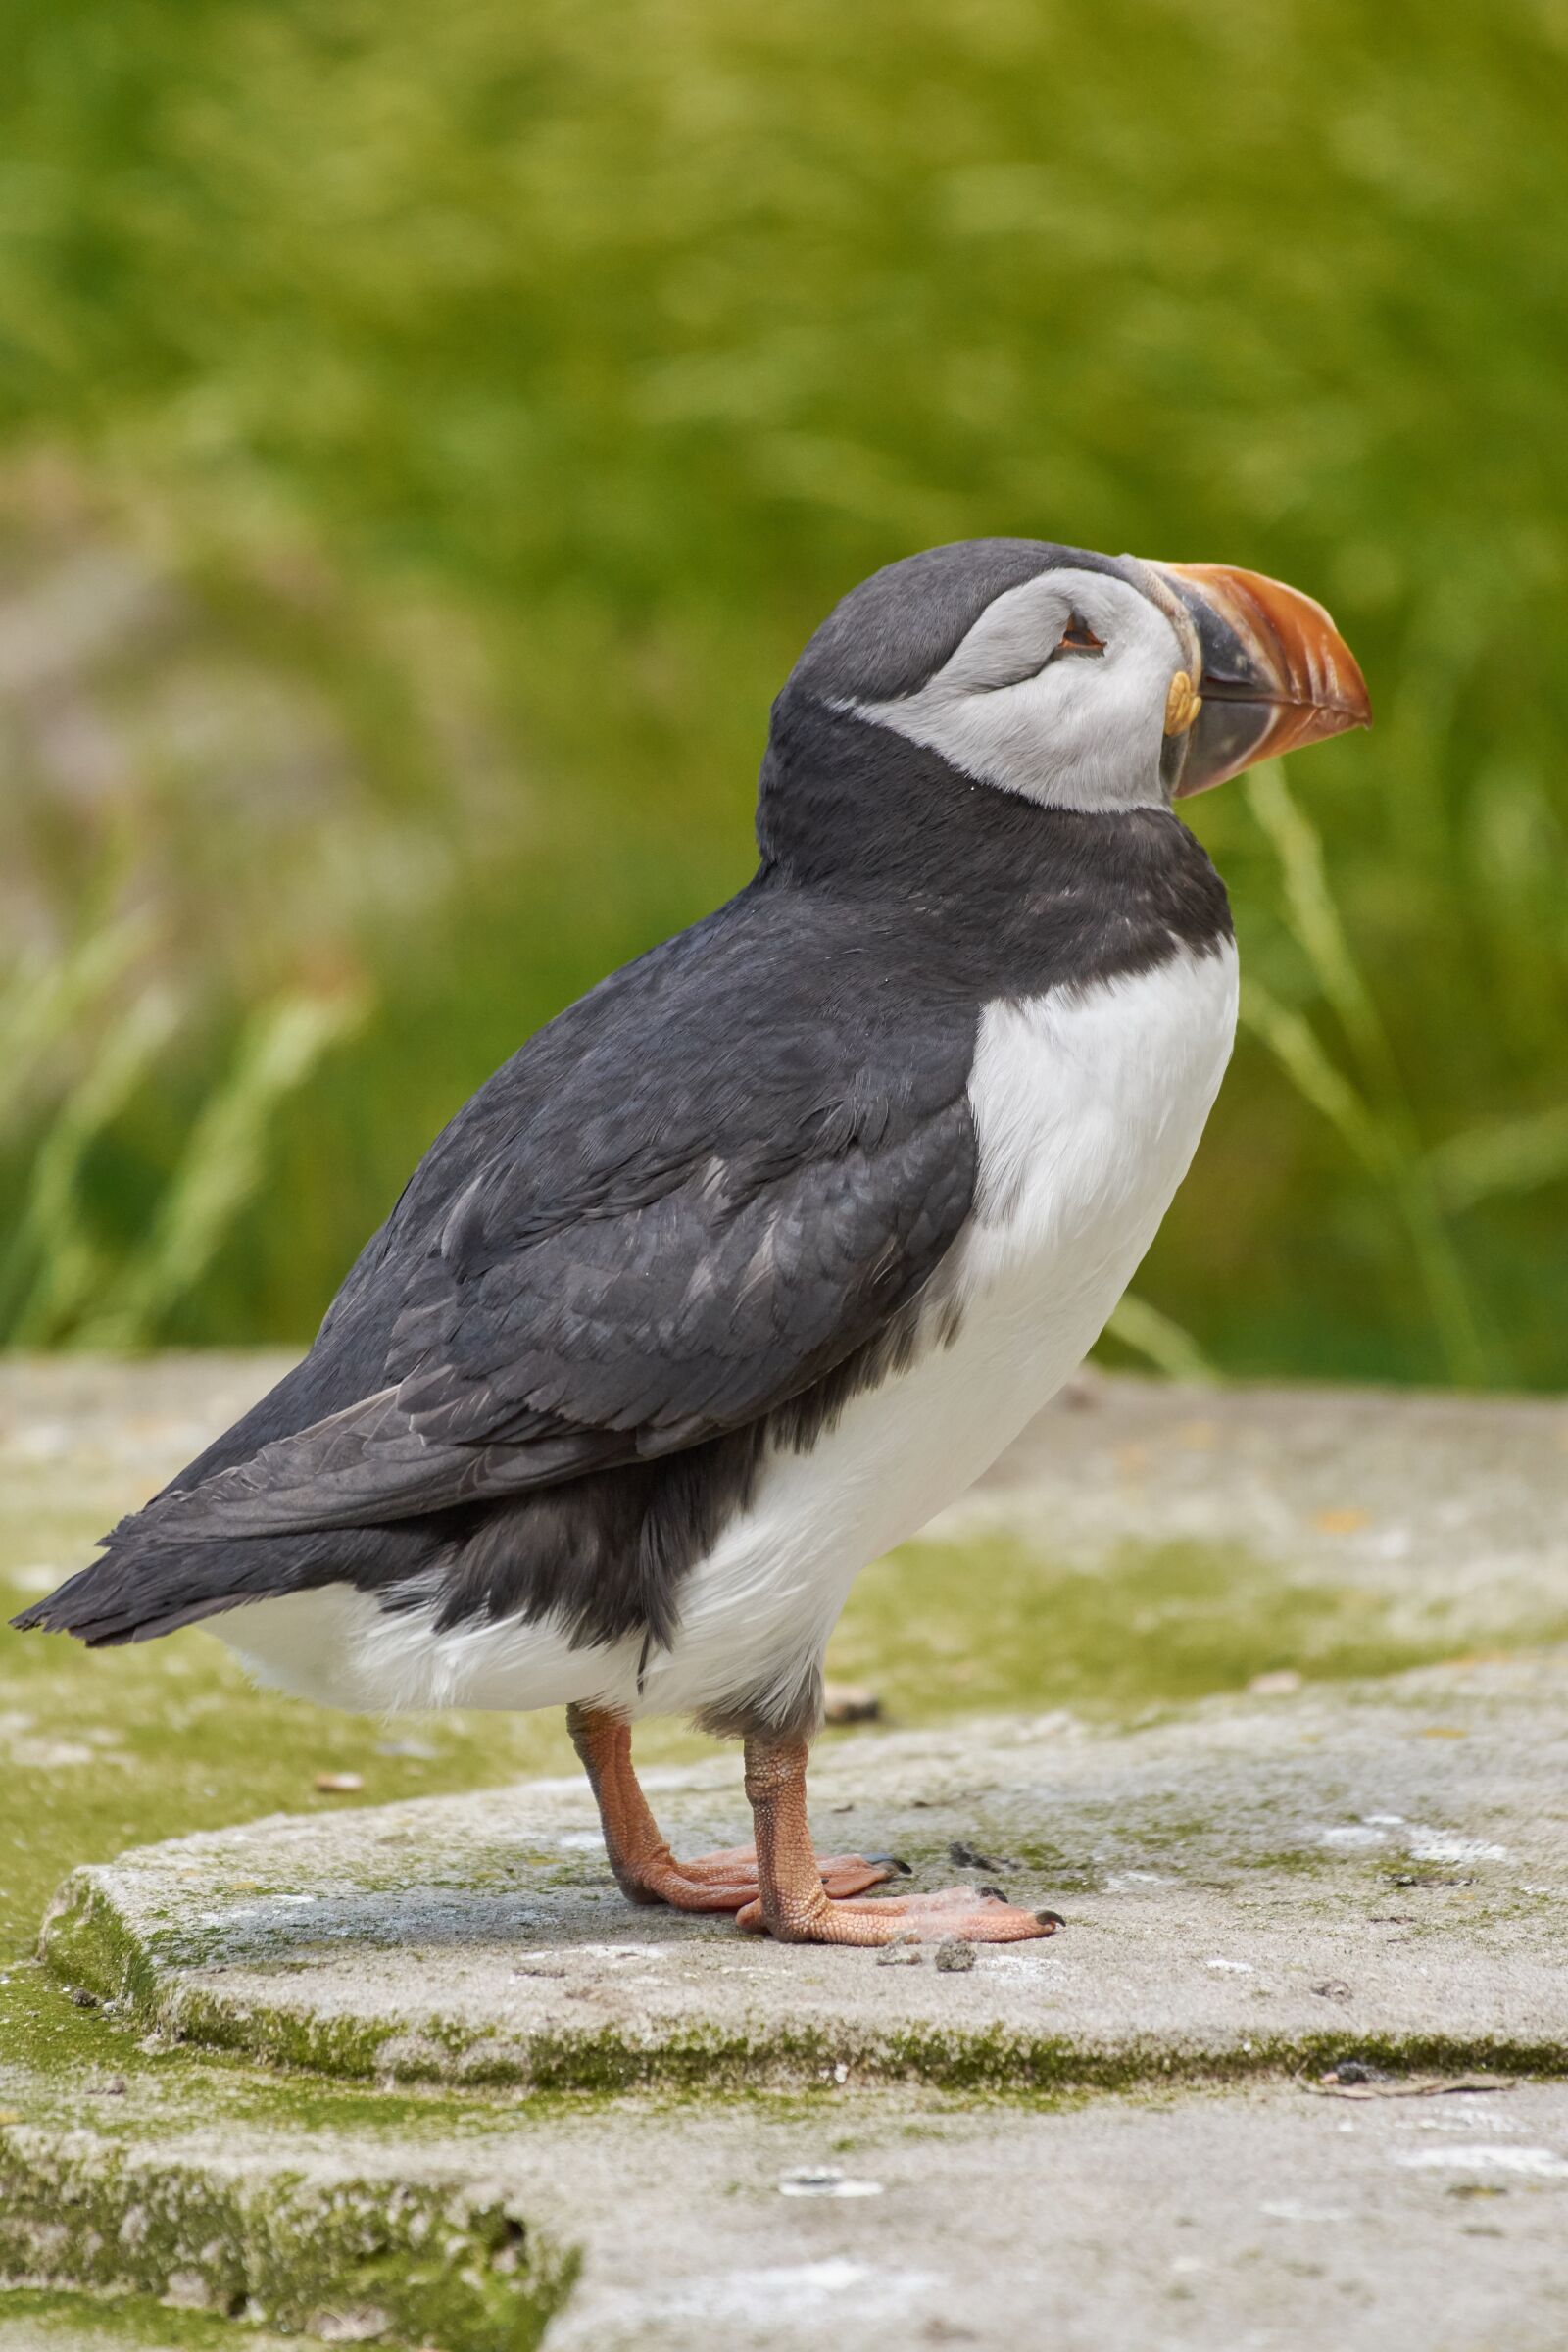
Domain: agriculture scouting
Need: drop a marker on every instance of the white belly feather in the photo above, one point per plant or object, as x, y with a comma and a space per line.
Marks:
1089, 1106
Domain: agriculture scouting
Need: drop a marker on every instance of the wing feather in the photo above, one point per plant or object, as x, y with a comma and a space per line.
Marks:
668, 1236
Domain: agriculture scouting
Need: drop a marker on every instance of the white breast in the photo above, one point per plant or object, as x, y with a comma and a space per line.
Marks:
1089, 1104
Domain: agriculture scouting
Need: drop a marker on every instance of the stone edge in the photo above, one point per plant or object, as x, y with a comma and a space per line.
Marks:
87, 1942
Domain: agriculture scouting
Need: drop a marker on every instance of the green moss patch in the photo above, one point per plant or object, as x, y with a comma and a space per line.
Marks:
389, 2262
76, 2322
992, 1624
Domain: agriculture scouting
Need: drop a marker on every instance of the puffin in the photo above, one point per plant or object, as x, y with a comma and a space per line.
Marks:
756, 1256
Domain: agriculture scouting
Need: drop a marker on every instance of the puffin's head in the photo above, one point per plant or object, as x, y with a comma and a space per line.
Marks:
1084, 681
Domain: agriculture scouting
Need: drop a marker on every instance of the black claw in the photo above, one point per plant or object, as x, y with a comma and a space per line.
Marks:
891, 1861
1050, 1919
995, 1892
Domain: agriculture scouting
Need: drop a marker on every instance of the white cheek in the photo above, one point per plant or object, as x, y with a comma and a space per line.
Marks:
1084, 731
1087, 733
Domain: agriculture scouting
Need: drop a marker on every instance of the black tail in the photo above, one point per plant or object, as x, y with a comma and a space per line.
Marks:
99, 1607
139, 1591
143, 1585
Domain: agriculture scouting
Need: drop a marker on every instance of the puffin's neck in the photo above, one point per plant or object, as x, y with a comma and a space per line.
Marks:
849, 808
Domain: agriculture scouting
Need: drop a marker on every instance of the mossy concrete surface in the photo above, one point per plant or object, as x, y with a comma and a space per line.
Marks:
1248, 1885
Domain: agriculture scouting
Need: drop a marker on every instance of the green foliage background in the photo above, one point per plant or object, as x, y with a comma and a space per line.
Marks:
427, 435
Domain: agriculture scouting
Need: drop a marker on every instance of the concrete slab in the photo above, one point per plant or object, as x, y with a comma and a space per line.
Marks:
1267, 2219
1249, 1885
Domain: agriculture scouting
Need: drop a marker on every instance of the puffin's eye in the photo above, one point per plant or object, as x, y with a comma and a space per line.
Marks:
1079, 638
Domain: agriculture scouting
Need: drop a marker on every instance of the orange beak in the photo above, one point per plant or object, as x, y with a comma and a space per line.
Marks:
1276, 674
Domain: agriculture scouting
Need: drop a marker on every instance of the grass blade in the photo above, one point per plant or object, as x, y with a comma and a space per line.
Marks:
1510, 1155
54, 1267
222, 1165
1159, 1340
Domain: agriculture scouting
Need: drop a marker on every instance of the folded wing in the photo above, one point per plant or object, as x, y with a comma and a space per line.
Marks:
651, 1247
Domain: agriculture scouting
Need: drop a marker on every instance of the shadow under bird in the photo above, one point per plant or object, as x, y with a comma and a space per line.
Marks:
759, 1254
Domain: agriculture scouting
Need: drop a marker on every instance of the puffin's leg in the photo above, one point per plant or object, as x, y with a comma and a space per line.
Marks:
645, 1871
794, 1903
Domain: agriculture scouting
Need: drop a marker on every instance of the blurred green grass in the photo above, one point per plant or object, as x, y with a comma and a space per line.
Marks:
427, 437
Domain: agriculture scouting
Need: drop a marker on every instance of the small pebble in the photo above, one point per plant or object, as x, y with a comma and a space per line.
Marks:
339, 1784
964, 1856
954, 1954
825, 2181
82, 1998
905, 1954
1354, 2070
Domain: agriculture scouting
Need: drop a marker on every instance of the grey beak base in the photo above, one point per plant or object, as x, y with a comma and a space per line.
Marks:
1237, 699
1276, 674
